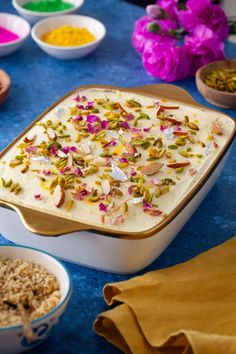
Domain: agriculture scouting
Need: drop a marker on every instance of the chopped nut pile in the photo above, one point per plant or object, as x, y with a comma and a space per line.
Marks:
27, 284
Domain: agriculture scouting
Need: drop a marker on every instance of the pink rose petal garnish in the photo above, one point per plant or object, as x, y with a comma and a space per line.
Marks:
110, 143
47, 172
103, 207
129, 117
37, 196
77, 171
78, 98
73, 148
65, 149
31, 149
146, 129
104, 124
53, 150
125, 125
133, 173
163, 127
90, 104
92, 118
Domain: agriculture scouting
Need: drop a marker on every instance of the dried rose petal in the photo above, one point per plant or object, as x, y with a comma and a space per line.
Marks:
104, 124
125, 125
103, 207
37, 196
92, 118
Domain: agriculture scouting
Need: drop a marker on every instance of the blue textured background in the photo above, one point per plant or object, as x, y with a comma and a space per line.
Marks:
37, 81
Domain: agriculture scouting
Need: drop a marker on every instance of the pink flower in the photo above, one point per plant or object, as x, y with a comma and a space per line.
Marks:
203, 12
202, 47
141, 33
170, 6
154, 11
164, 61
90, 104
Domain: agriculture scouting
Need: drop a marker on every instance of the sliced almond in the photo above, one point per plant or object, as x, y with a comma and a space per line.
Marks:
178, 164
29, 138
105, 184
51, 134
152, 168
131, 149
216, 128
173, 120
170, 107
180, 133
58, 196
86, 148
70, 160
61, 154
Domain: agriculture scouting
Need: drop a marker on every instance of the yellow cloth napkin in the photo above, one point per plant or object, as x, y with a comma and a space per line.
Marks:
185, 309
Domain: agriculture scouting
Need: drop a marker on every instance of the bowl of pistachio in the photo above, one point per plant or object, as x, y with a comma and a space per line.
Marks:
217, 83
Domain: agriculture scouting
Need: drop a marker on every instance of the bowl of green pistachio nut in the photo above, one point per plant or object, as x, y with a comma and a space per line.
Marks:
217, 82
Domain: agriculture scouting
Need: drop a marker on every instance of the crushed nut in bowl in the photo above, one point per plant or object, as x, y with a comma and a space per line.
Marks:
34, 291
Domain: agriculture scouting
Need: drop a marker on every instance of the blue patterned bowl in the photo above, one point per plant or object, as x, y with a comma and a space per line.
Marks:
12, 338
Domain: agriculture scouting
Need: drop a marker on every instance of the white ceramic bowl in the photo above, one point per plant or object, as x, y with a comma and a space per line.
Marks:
74, 52
17, 25
35, 16
12, 339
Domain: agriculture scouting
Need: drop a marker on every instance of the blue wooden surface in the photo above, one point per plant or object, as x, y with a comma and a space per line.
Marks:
37, 81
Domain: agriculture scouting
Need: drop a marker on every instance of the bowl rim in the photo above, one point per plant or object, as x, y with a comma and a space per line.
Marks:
45, 14
20, 39
200, 72
66, 48
65, 299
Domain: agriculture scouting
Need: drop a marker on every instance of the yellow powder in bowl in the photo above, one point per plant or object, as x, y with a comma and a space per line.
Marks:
67, 36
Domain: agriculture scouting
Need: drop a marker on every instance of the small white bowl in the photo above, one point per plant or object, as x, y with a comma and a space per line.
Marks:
35, 16
73, 52
12, 338
17, 25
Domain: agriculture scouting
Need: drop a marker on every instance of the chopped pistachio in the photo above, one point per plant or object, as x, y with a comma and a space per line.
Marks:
173, 147
179, 170
132, 103
69, 205
25, 169
180, 141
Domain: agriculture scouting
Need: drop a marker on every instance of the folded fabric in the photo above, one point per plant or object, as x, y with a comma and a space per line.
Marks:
185, 309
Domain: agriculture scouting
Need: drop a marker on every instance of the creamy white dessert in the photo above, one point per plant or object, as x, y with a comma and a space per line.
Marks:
115, 159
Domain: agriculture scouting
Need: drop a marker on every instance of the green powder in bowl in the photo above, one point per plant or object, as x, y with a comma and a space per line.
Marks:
48, 5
